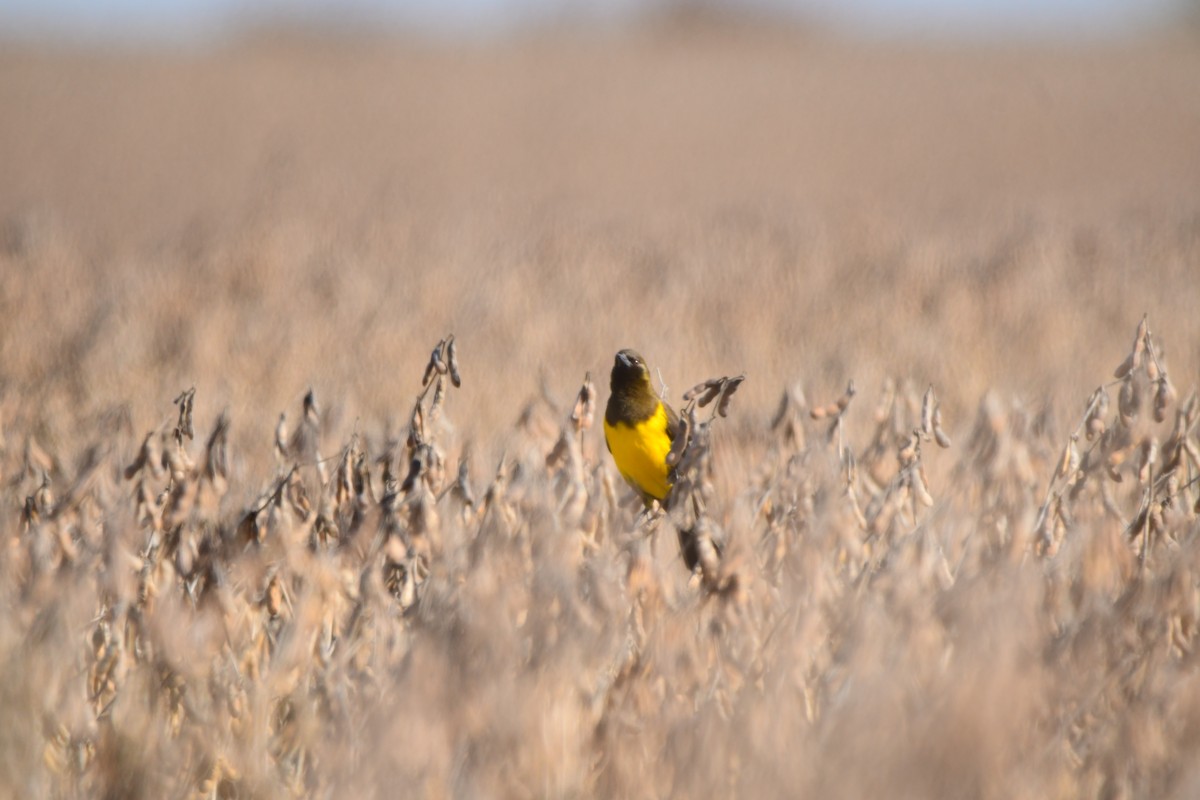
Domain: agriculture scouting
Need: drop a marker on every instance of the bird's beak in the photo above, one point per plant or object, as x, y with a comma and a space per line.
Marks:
624, 359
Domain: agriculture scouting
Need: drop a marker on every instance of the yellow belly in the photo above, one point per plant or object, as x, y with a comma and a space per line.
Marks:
640, 452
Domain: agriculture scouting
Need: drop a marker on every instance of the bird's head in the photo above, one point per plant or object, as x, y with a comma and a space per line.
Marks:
629, 369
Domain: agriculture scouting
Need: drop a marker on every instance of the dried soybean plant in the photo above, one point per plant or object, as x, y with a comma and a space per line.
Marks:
411, 535
200, 636
1163, 468
889, 473
566, 461
702, 541
292, 565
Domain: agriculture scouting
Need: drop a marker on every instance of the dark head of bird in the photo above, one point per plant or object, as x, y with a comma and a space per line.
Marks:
629, 371
633, 398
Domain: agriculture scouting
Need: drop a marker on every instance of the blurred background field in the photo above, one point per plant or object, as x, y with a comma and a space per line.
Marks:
283, 206
286, 211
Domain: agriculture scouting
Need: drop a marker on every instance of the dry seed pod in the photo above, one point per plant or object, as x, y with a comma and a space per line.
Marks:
362, 479
452, 358
1113, 463
1172, 454
273, 598
1134, 359
416, 427
584, 411
682, 438
704, 393
438, 360
728, 387
927, 407
1073, 464
1152, 369
834, 409
1129, 401
439, 396
148, 455
1140, 339
1154, 366
1069, 461
463, 482
1127, 366
436, 365
910, 450
1164, 393
939, 435
297, 495
1147, 456
430, 371
184, 427
422, 456
177, 462
188, 429
921, 486
1094, 422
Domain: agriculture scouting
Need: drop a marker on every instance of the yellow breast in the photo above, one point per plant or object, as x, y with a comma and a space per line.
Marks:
640, 452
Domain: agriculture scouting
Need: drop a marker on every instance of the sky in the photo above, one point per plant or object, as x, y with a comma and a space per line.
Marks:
185, 19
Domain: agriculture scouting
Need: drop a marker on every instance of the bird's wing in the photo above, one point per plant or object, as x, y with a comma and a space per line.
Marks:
673, 423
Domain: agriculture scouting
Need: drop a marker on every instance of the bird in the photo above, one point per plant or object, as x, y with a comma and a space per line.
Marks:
639, 428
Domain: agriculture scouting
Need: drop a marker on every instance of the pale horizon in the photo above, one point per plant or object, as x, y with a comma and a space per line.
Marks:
183, 20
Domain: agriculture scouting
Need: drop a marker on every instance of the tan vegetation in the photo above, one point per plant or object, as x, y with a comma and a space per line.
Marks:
943, 541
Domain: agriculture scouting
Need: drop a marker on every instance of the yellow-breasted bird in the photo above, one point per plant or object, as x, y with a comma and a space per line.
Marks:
639, 428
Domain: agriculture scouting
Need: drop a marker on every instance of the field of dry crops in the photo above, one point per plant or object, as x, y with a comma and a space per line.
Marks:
259, 542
